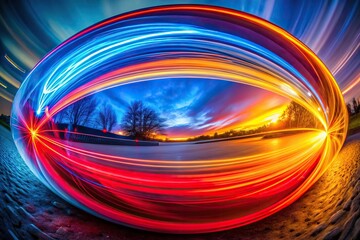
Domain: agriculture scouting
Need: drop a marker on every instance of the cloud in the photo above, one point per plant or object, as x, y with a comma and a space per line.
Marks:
195, 106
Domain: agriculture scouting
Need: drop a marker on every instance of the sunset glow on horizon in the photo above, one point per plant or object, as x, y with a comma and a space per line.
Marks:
194, 107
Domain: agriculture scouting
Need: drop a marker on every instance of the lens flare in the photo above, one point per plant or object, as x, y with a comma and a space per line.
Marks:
167, 195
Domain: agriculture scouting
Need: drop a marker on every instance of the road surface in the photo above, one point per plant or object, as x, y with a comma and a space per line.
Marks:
205, 151
329, 210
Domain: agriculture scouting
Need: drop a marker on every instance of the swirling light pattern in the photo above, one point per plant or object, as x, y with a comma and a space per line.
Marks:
184, 41
30, 29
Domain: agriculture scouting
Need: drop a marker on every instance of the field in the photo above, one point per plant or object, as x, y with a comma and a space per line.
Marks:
354, 122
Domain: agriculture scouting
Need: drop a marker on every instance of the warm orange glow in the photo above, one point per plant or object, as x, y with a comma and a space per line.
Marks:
270, 116
275, 118
178, 138
256, 120
33, 133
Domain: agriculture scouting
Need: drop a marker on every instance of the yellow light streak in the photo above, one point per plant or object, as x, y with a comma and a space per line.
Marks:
14, 64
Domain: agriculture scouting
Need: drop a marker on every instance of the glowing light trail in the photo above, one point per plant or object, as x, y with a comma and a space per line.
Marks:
14, 64
3, 85
167, 195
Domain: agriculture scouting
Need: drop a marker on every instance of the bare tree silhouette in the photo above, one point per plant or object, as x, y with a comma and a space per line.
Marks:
79, 112
141, 121
107, 118
296, 116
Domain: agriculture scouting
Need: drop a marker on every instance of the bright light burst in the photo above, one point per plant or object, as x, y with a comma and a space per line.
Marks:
165, 195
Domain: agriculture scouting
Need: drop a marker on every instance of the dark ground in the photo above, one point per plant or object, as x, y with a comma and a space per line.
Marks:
329, 210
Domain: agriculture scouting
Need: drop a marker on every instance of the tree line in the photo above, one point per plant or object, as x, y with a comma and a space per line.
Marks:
294, 116
139, 121
353, 107
143, 122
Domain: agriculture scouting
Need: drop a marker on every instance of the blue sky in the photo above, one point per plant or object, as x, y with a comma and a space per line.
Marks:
194, 107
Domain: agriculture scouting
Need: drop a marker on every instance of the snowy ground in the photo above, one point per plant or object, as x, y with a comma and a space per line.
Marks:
329, 210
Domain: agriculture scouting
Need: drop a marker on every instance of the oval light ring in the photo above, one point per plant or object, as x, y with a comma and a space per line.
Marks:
178, 41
